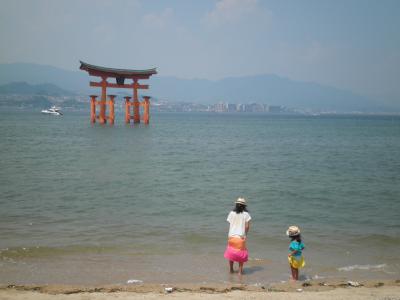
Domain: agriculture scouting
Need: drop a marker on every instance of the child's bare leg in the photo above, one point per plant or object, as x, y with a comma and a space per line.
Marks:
240, 268
295, 273
231, 266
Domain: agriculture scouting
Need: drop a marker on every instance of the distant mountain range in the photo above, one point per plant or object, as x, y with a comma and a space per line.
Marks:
24, 88
25, 95
268, 89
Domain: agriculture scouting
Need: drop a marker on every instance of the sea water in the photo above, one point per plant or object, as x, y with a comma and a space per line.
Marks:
93, 204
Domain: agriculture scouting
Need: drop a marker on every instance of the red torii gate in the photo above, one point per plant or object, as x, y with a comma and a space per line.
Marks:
120, 75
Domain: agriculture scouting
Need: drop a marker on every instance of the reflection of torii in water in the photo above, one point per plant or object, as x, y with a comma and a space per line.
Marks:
120, 75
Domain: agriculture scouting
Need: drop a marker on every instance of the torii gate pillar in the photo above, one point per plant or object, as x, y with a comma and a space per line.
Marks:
136, 109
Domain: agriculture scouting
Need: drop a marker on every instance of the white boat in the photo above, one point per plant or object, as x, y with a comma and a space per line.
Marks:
52, 111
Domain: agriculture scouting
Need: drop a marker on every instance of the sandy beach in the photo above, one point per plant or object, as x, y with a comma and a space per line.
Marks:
382, 290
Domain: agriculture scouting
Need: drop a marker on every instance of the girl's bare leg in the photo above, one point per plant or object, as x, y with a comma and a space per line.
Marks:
240, 268
231, 266
295, 273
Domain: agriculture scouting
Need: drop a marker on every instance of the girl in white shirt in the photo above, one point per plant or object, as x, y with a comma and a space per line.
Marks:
239, 225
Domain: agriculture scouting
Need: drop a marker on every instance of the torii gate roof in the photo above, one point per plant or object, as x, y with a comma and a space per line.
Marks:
116, 73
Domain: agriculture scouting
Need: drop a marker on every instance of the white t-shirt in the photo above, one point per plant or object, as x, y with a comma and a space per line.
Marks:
238, 223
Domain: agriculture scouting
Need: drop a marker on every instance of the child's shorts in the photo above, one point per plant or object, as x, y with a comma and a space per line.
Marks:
296, 262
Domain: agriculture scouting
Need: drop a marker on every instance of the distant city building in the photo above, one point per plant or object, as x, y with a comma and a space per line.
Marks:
240, 107
220, 107
255, 107
275, 109
231, 107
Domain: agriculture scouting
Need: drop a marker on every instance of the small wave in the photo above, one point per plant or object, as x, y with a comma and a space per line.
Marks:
256, 259
130, 281
362, 267
45, 252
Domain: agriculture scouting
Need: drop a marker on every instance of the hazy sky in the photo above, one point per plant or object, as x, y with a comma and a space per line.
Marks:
350, 44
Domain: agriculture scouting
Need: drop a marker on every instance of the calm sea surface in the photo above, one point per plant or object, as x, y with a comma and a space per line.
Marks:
100, 204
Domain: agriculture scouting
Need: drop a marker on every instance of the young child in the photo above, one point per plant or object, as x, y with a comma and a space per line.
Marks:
296, 247
239, 225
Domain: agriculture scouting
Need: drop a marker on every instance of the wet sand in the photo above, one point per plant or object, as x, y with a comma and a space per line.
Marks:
372, 289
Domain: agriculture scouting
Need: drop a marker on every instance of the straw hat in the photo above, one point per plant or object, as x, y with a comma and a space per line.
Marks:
241, 201
293, 231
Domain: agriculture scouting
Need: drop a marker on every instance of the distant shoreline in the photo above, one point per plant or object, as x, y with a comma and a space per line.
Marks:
118, 111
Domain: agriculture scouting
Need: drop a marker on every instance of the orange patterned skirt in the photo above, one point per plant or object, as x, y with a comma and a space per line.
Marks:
236, 249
